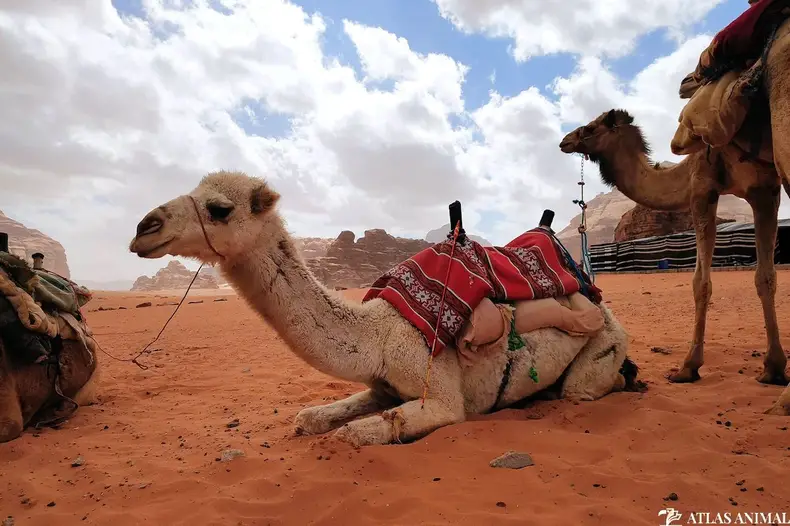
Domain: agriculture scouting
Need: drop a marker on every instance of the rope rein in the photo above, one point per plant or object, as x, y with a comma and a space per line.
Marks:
586, 263
456, 232
145, 350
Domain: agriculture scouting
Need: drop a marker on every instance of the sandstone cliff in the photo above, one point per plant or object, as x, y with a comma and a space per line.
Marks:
174, 276
641, 222
312, 247
24, 242
440, 234
349, 263
605, 211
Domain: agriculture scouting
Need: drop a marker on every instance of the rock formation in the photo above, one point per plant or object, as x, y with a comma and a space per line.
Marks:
440, 234
174, 276
24, 242
349, 263
605, 211
312, 247
641, 222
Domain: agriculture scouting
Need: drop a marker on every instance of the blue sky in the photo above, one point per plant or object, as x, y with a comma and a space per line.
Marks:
420, 22
345, 154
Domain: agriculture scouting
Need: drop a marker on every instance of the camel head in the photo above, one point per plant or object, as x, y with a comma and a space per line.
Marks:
224, 216
600, 135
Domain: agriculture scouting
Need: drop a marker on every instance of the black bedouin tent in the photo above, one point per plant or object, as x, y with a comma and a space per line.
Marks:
734, 247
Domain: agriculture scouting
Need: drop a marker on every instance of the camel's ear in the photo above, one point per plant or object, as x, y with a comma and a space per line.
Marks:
263, 199
611, 119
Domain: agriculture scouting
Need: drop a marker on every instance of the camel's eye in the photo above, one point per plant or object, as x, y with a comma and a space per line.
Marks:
219, 212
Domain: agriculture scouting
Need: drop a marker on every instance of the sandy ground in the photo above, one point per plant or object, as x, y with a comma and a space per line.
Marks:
152, 447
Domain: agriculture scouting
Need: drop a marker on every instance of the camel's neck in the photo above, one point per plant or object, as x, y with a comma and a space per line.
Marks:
634, 175
327, 332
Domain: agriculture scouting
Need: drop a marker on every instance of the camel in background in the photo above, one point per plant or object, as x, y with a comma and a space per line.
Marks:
619, 148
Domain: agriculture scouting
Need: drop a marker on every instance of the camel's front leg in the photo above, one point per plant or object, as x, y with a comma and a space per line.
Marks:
765, 205
323, 418
406, 422
703, 213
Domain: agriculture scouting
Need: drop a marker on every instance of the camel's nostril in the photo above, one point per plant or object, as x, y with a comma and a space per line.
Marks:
150, 224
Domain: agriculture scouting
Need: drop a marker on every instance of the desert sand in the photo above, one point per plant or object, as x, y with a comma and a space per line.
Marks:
151, 451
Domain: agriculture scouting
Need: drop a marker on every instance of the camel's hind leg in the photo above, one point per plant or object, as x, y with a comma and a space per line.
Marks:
765, 205
323, 418
595, 372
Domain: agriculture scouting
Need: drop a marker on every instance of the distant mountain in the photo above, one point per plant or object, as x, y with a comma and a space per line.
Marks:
440, 234
122, 284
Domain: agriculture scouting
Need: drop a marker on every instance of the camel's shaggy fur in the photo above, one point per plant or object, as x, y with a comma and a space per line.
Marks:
695, 184
368, 343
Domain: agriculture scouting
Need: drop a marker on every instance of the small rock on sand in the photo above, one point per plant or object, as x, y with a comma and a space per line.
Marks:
230, 454
512, 460
144, 304
660, 350
79, 461
9, 521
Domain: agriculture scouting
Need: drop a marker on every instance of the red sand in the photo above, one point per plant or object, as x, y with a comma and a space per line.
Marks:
150, 448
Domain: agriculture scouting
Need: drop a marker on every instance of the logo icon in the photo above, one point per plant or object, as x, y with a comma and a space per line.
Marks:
672, 516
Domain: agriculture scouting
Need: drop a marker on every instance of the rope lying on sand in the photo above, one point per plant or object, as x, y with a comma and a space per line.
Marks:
145, 349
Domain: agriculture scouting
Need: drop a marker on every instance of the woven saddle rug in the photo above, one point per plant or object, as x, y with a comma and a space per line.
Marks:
532, 266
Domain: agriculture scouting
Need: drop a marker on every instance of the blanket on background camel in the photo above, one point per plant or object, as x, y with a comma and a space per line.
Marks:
725, 88
737, 45
532, 266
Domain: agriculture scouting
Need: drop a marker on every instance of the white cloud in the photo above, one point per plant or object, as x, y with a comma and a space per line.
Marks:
586, 27
108, 116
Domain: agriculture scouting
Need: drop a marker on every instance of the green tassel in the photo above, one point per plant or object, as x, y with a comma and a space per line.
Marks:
514, 339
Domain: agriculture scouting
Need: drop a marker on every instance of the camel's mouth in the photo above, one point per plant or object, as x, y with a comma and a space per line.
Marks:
150, 253
567, 146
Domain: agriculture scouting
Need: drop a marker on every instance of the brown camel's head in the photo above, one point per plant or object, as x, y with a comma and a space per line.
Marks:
599, 135
224, 216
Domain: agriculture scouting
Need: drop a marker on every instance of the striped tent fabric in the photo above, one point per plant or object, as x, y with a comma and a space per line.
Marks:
734, 247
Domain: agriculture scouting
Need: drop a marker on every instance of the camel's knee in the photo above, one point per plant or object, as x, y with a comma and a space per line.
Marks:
765, 282
702, 287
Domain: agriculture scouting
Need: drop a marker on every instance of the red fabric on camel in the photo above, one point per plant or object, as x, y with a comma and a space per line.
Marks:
532, 266
745, 36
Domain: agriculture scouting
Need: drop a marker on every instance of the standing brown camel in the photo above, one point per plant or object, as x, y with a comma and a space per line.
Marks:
619, 148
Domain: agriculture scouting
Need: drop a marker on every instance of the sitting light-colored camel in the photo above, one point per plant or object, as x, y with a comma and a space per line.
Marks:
230, 220
619, 148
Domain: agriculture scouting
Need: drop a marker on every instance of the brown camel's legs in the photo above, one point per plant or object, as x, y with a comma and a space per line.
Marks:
765, 206
703, 214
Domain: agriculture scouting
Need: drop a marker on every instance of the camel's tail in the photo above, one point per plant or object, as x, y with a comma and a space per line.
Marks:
630, 370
